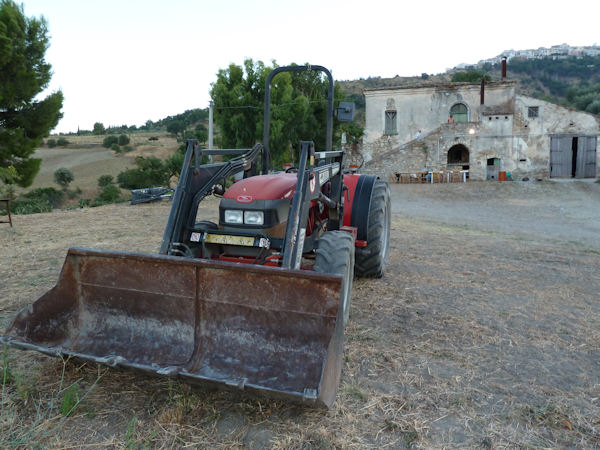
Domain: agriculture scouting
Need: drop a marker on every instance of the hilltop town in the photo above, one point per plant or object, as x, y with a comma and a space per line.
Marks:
556, 52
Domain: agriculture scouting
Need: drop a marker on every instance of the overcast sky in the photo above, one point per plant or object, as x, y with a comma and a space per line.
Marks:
127, 61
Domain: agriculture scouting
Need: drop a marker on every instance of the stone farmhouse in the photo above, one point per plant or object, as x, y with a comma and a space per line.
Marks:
493, 128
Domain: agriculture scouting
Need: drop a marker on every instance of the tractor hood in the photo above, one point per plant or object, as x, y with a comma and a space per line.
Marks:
263, 187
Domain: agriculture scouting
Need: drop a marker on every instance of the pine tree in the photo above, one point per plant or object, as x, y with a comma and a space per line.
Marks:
24, 73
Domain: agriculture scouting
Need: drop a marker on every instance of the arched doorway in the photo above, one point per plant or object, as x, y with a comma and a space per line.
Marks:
458, 157
459, 112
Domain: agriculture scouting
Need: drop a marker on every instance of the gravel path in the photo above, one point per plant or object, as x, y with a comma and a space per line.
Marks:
564, 212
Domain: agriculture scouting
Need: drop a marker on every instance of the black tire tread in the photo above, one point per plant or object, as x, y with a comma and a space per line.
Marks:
335, 255
372, 264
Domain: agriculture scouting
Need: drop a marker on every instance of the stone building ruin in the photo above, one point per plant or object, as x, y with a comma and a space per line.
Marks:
492, 129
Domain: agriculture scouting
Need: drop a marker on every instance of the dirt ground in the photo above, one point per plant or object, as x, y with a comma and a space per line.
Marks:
484, 333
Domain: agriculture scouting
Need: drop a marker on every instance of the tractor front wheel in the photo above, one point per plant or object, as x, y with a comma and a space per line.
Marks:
371, 261
335, 255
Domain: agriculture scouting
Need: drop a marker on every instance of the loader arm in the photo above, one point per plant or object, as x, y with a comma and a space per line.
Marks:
198, 180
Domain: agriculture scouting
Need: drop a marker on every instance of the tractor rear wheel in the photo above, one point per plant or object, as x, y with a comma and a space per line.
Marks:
335, 255
371, 261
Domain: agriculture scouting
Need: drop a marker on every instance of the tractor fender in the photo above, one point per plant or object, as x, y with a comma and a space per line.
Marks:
358, 203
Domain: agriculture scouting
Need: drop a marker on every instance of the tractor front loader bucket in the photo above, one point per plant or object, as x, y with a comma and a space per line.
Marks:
251, 327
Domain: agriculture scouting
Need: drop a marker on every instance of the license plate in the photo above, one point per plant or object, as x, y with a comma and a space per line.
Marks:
227, 239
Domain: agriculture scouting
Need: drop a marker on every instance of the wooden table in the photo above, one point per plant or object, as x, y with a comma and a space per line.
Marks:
431, 177
6, 202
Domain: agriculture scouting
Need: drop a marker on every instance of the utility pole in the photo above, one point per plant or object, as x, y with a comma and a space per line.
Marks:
210, 124
210, 128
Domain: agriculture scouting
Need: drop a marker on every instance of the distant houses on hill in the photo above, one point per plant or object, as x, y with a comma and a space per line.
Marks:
556, 51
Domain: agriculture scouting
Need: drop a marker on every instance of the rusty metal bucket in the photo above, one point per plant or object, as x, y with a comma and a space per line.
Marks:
252, 327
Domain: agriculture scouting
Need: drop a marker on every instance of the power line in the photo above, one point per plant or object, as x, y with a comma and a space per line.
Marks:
272, 107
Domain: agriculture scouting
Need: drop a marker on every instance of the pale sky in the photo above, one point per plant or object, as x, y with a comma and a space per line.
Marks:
127, 61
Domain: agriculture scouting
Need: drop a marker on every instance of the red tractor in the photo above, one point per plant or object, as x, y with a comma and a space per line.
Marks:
257, 301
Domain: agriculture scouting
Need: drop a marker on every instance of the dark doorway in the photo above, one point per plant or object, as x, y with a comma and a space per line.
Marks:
458, 158
574, 157
493, 167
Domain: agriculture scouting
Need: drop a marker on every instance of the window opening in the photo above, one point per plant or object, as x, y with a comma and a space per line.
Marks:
533, 112
390, 122
460, 112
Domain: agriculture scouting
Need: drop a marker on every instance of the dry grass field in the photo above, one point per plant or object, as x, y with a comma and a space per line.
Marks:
87, 159
484, 333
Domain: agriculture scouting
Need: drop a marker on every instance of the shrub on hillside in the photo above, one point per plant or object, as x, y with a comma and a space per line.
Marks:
49, 194
63, 177
150, 172
123, 139
74, 193
115, 147
62, 142
105, 180
51, 143
24, 205
109, 194
109, 141
37, 201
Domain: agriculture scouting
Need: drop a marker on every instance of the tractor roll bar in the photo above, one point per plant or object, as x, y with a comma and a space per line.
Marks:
266, 156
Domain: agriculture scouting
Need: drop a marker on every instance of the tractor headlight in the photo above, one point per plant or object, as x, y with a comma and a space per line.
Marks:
234, 216
254, 218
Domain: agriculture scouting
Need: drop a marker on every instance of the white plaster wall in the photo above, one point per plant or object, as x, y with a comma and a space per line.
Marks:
426, 108
554, 119
534, 134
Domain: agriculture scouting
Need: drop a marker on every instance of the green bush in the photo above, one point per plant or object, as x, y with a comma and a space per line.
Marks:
115, 147
51, 143
97, 202
127, 148
105, 180
24, 205
123, 139
63, 177
37, 201
109, 194
150, 172
49, 194
7, 191
62, 142
470, 76
109, 141
153, 138
74, 193
84, 202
